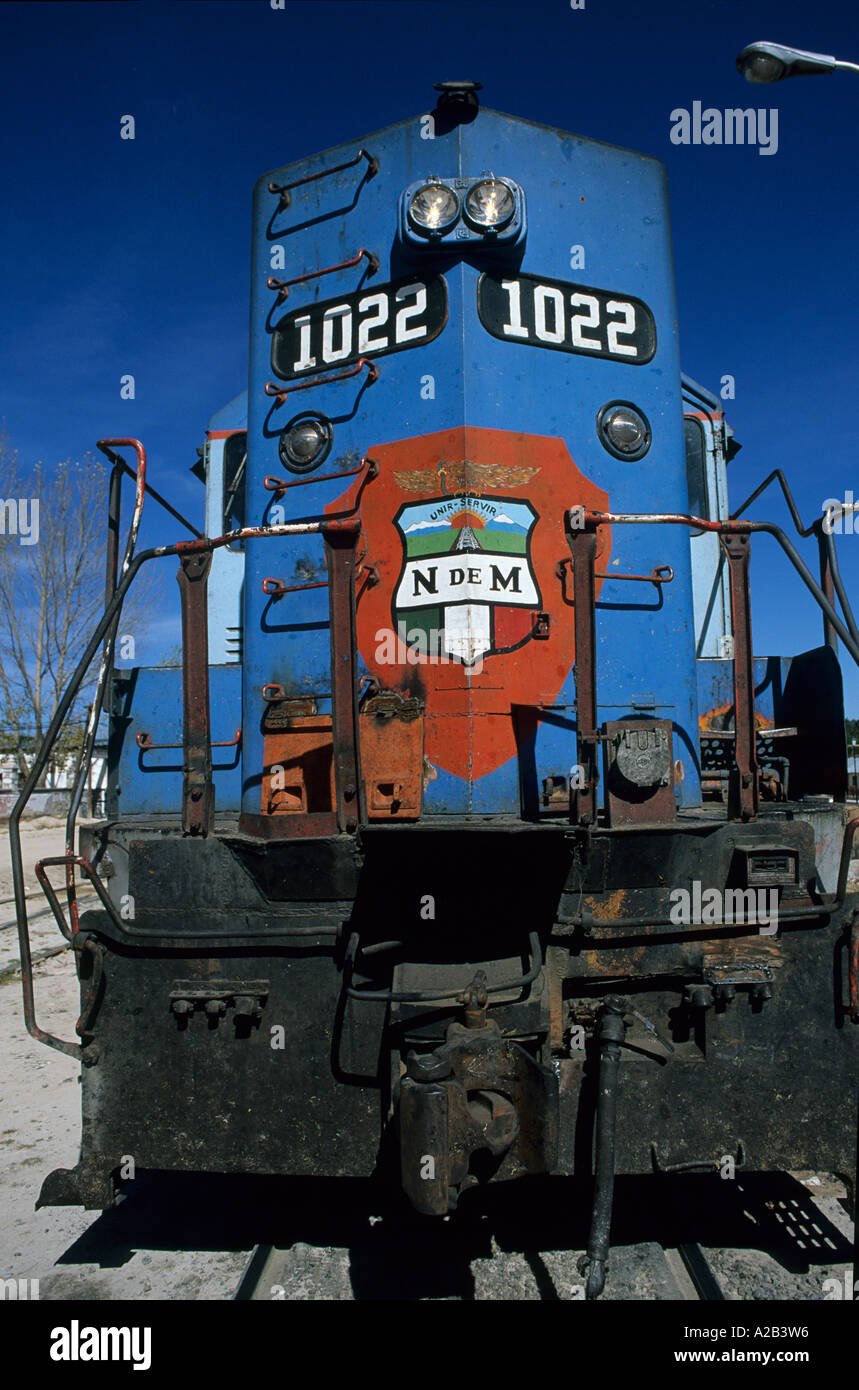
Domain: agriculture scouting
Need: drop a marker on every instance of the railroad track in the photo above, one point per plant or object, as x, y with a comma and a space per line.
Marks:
691, 1260
84, 898
681, 1274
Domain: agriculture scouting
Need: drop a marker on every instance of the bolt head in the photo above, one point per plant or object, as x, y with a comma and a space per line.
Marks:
431, 1066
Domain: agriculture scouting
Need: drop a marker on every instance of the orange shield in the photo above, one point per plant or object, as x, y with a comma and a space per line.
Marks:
465, 529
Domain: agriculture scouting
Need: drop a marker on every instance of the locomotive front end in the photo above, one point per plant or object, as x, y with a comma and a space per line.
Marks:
451, 904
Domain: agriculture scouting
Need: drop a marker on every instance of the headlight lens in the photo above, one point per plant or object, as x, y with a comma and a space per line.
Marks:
624, 430
305, 442
490, 203
434, 208
763, 67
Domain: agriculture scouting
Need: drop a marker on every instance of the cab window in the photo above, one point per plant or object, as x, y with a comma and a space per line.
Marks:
696, 466
235, 461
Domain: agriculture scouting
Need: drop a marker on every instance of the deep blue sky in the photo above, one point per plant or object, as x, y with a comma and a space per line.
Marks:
124, 256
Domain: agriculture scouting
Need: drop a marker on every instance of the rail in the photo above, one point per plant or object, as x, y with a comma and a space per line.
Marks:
830, 574
340, 534
581, 525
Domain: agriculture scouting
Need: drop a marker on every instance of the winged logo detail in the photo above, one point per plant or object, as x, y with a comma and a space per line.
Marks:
464, 476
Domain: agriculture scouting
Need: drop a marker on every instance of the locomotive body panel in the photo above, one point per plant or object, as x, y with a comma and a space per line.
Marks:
446, 365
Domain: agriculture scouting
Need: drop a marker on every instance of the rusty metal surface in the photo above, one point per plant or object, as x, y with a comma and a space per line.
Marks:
773, 1072
198, 788
478, 1094
743, 779
145, 744
846, 630
101, 694
340, 546
281, 392
741, 1069
583, 547
298, 767
660, 574
299, 772
275, 588
650, 799
283, 286
279, 486
108, 447
202, 546
392, 756
284, 190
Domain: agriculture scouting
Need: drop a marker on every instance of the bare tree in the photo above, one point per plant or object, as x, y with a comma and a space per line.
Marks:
52, 565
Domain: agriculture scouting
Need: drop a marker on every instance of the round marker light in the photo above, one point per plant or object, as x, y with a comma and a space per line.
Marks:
623, 430
434, 208
490, 204
305, 442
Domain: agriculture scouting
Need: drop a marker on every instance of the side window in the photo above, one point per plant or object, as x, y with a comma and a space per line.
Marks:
235, 459
696, 469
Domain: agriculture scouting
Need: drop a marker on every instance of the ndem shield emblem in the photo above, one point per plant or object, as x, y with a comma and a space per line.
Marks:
467, 588
469, 612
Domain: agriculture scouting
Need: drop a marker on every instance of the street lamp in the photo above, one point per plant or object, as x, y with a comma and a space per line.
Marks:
772, 62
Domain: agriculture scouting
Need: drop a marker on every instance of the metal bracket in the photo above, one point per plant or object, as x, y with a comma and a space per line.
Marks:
146, 745
284, 190
281, 392
478, 1092
703, 1165
283, 286
280, 485
213, 997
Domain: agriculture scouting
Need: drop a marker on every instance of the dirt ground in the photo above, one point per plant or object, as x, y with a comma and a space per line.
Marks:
40, 1130
187, 1237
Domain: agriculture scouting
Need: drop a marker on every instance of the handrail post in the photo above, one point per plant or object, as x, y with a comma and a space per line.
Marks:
583, 548
198, 788
827, 583
341, 540
743, 782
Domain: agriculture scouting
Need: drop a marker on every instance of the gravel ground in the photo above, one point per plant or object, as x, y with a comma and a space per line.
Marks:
186, 1237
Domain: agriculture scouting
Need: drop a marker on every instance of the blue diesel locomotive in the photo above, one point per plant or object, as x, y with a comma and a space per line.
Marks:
472, 840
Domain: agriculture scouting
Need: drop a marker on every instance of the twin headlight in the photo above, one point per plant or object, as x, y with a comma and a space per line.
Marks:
488, 209
433, 208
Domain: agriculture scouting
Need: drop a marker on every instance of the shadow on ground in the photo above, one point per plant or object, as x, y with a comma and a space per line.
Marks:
394, 1254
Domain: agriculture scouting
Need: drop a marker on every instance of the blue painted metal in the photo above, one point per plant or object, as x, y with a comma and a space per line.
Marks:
579, 193
711, 594
716, 688
228, 564
150, 782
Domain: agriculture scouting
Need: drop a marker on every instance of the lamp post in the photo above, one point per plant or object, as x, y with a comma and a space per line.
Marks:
773, 62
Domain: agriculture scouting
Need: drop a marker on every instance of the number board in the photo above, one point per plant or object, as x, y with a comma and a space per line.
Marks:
369, 323
570, 318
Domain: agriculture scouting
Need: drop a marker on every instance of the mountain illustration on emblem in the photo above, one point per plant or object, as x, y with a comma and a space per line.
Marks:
467, 576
